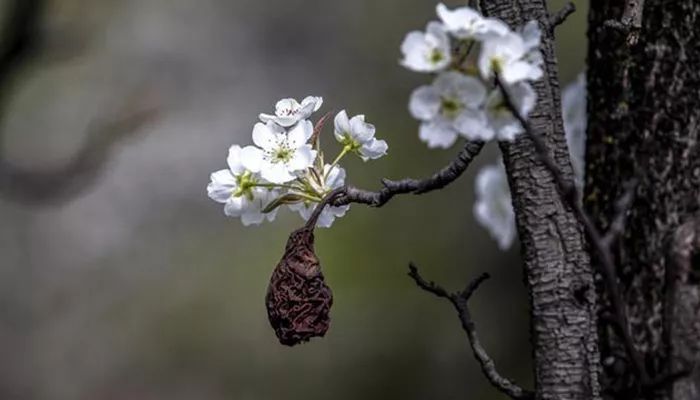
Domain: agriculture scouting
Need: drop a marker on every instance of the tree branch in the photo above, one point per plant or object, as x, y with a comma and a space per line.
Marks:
560, 16
460, 302
439, 180
572, 196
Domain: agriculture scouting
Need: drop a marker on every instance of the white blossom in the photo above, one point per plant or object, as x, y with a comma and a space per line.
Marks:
502, 124
332, 179
289, 111
467, 23
449, 107
514, 56
357, 136
493, 208
427, 51
235, 188
575, 122
280, 155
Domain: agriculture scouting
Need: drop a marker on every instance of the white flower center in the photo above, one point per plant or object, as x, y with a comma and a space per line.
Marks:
282, 153
450, 107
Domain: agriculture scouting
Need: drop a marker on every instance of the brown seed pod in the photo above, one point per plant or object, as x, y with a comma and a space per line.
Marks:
298, 300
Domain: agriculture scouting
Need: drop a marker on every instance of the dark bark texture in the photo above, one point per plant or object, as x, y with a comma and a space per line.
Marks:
644, 111
558, 272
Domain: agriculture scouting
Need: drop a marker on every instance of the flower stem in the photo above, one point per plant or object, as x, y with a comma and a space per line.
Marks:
342, 154
275, 186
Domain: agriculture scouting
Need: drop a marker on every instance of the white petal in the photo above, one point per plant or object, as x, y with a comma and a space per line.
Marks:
531, 34
460, 22
524, 97
252, 218
490, 27
471, 91
222, 186
265, 136
508, 131
316, 101
276, 173
287, 120
493, 208
413, 41
235, 206
373, 149
303, 158
425, 103
361, 130
335, 178
438, 133
300, 134
575, 121
473, 125
252, 158
286, 107
520, 71
266, 117
341, 125
234, 160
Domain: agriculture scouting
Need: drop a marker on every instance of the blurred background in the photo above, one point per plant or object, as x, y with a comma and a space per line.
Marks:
134, 285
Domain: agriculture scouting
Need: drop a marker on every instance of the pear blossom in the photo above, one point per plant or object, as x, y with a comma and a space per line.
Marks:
467, 23
493, 208
236, 188
449, 107
333, 177
357, 136
279, 155
289, 111
502, 124
575, 122
427, 51
514, 56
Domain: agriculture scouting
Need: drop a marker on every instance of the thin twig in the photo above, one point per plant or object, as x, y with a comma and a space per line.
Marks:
439, 180
460, 302
311, 222
571, 195
560, 16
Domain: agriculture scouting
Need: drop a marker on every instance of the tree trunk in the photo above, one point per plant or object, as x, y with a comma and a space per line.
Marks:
644, 98
557, 267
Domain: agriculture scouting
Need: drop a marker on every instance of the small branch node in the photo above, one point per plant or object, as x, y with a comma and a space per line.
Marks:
560, 16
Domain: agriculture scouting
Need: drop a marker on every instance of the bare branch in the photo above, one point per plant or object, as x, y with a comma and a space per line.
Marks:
459, 301
571, 196
439, 180
560, 16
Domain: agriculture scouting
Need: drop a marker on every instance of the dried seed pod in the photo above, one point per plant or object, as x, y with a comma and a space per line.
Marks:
298, 299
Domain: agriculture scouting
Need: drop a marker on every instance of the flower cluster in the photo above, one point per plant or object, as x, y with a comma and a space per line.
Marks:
493, 208
463, 100
285, 166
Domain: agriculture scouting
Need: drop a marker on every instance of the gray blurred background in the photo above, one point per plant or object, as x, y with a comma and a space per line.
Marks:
140, 288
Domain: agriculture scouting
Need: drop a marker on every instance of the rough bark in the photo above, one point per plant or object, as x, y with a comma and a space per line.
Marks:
643, 87
558, 272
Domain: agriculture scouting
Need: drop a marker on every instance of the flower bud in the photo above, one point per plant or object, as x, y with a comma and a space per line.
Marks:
298, 300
